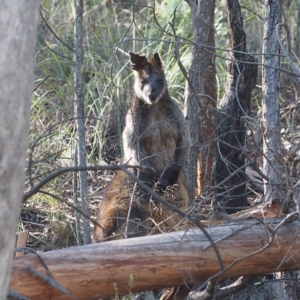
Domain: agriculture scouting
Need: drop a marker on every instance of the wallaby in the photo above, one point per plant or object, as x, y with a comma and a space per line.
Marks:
155, 136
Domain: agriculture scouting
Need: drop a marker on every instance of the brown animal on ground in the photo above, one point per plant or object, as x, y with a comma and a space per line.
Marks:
156, 136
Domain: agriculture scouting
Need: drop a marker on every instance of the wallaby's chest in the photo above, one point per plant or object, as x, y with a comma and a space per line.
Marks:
155, 125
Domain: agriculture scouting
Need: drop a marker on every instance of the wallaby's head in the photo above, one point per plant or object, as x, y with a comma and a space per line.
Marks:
150, 82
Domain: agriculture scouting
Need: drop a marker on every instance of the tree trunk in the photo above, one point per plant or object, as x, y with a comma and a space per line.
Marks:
229, 176
272, 165
272, 160
160, 261
18, 21
200, 103
79, 111
298, 29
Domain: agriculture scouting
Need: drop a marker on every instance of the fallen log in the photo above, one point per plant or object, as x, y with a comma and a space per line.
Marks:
154, 262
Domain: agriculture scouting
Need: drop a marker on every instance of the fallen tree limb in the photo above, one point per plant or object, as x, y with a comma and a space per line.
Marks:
155, 262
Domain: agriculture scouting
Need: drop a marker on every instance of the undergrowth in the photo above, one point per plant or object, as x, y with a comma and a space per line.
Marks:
110, 32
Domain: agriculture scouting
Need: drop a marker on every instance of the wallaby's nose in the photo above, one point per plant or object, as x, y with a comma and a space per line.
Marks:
153, 96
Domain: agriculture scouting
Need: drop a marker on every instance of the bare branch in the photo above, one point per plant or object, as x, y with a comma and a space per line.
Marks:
35, 189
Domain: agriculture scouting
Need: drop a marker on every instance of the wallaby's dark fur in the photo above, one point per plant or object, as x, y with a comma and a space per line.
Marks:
155, 136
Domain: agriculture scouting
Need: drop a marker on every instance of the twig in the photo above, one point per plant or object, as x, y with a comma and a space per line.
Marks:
177, 56
295, 69
77, 210
35, 189
209, 292
13, 295
40, 83
47, 24
49, 280
29, 250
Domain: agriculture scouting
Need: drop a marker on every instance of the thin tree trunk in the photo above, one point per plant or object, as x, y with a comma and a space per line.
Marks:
200, 103
75, 199
298, 28
229, 176
270, 104
272, 164
18, 21
79, 111
154, 262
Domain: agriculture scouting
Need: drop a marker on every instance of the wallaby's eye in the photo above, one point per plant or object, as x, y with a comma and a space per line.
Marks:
143, 82
160, 81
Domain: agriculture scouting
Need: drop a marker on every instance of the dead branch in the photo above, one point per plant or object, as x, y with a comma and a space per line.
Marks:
160, 261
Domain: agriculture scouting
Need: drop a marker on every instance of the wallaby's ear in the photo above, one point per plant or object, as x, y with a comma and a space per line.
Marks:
155, 60
137, 62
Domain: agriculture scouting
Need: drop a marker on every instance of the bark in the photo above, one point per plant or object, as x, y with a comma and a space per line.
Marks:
298, 28
18, 22
160, 261
75, 198
229, 173
272, 165
79, 111
200, 102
